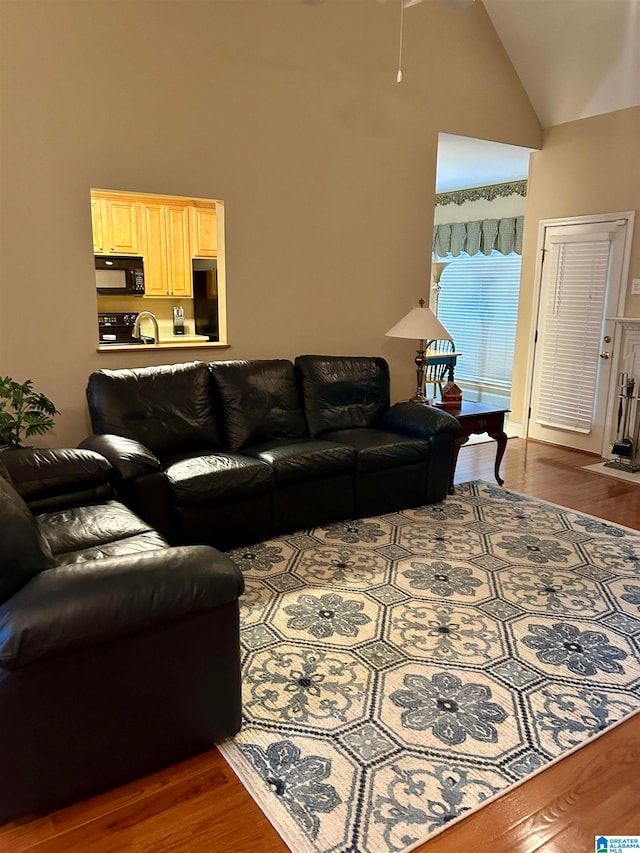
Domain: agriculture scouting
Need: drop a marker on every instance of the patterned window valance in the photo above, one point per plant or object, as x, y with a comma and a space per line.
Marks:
488, 193
482, 235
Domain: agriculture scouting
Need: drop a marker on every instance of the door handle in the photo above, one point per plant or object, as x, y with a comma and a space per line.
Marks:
604, 354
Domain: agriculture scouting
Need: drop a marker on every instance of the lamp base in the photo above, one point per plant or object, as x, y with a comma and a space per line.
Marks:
421, 366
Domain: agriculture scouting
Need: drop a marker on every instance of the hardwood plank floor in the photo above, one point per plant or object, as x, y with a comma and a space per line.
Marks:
199, 805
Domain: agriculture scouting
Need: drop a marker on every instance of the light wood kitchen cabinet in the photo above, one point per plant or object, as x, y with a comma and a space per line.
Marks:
204, 233
154, 233
179, 274
116, 225
166, 248
97, 226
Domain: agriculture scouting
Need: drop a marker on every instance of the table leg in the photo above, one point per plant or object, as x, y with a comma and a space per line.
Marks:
501, 439
457, 444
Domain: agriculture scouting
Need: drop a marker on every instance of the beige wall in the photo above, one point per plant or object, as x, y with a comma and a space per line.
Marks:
288, 111
585, 167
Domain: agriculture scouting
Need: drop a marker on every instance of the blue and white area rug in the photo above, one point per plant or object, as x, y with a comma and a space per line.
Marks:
402, 671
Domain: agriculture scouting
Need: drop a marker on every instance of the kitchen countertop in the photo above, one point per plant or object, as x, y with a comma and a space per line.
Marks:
173, 342
182, 339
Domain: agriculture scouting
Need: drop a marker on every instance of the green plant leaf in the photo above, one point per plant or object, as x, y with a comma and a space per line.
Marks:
23, 411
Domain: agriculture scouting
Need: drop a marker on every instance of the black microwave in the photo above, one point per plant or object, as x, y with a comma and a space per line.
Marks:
119, 275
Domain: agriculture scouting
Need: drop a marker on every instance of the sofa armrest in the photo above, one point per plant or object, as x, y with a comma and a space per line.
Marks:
41, 473
78, 605
419, 420
129, 458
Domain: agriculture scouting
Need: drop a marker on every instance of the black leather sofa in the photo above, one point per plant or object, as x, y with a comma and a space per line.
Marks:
232, 452
118, 654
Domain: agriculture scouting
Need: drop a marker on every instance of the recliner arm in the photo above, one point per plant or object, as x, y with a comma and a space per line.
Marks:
418, 420
80, 604
129, 457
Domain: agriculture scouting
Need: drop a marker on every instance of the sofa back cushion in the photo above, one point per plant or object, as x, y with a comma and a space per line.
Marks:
343, 392
50, 478
165, 408
260, 400
24, 552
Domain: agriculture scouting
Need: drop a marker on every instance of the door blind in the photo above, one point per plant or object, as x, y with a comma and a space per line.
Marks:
478, 306
573, 297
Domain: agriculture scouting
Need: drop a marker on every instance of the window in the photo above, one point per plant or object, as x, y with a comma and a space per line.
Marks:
478, 305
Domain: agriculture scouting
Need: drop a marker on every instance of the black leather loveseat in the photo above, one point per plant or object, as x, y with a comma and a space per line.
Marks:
118, 654
235, 451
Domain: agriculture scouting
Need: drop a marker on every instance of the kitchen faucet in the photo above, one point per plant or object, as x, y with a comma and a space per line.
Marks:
144, 315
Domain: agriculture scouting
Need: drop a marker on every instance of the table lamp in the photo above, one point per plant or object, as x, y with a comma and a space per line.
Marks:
420, 324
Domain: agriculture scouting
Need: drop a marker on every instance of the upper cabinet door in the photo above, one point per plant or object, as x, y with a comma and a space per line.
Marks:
178, 256
154, 232
116, 225
98, 226
124, 232
204, 233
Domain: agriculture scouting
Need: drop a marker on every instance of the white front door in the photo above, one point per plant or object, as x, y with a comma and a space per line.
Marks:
580, 287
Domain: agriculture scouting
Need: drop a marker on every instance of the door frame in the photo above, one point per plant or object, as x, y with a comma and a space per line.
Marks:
605, 219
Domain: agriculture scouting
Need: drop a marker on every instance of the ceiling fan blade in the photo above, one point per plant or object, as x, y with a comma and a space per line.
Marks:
456, 5
453, 5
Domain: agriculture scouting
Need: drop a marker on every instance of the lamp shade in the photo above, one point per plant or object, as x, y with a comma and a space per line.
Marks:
420, 324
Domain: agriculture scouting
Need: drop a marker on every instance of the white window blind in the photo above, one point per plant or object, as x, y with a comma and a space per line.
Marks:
573, 295
478, 306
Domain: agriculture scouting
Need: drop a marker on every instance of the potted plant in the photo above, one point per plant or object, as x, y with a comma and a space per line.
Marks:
23, 412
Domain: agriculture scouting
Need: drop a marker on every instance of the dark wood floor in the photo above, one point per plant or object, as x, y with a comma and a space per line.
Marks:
200, 806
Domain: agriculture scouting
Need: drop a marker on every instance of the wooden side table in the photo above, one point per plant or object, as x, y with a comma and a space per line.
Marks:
474, 419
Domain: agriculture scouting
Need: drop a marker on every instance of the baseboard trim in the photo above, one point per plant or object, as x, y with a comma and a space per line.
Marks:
513, 429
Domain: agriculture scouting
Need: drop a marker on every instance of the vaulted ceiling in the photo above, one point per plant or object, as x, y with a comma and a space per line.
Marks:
574, 58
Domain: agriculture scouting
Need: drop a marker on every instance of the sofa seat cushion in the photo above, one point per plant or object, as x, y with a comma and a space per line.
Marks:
149, 541
377, 449
217, 477
98, 528
295, 461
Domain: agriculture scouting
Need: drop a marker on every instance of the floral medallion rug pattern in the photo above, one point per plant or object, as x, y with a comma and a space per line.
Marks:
400, 671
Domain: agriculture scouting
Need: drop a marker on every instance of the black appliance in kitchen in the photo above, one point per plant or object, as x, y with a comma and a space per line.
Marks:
116, 328
119, 275
205, 298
